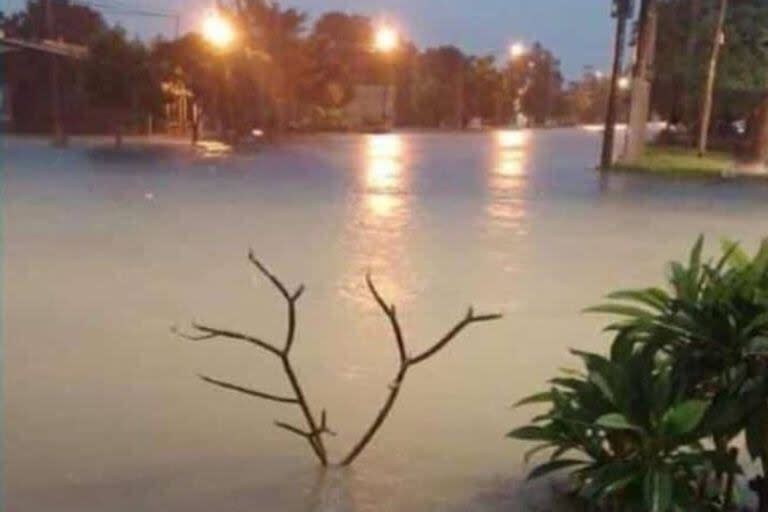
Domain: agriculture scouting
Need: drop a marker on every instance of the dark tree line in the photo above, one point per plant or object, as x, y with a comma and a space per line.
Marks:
702, 66
283, 72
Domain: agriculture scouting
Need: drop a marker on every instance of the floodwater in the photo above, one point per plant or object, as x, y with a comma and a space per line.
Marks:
104, 253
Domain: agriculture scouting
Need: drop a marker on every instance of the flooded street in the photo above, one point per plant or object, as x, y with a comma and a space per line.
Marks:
104, 254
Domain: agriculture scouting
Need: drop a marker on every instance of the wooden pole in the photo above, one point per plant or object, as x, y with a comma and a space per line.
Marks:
718, 39
609, 135
57, 129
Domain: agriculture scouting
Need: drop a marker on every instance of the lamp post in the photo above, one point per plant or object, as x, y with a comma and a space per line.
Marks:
220, 33
516, 52
386, 41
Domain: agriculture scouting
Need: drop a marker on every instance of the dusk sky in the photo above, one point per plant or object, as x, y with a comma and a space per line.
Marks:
577, 31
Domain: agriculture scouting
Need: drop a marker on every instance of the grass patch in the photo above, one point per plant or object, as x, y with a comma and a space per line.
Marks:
679, 161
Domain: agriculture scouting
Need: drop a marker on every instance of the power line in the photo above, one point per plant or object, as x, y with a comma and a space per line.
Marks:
116, 8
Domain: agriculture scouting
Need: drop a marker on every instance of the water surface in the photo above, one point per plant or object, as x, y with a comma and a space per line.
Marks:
104, 253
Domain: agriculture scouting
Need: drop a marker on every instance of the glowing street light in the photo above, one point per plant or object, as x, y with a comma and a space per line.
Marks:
386, 39
624, 83
218, 31
517, 50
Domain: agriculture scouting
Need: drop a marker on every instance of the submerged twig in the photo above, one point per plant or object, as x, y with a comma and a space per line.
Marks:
405, 363
314, 431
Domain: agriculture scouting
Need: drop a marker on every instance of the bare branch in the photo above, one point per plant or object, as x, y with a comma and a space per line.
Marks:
295, 430
391, 313
394, 390
314, 434
471, 318
315, 430
405, 365
314, 441
247, 391
324, 425
209, 333
290, 297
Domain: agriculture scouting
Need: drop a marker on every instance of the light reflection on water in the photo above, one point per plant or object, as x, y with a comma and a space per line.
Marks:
507, 180
379, 220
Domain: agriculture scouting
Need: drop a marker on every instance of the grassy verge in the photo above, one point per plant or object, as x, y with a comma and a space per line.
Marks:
676, 161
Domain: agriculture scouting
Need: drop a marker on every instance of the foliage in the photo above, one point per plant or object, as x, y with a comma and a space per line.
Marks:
685, 36
650, 427
28, 74
119, 76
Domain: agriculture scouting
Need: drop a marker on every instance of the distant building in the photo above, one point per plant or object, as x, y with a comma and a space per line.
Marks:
180, 108
26, 82
372, 108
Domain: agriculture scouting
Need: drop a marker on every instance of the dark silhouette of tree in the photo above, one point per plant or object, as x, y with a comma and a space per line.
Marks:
119, 78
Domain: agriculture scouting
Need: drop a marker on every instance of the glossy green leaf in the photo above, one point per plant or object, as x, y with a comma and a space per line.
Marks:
683, 418
619, 309
538, 398
531, 433
615, 421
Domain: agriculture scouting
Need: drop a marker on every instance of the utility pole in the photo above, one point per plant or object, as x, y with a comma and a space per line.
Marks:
621, 11
57, 129
718, 39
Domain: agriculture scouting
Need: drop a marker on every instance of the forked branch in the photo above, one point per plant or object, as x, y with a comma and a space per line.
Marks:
405, 363
314, 431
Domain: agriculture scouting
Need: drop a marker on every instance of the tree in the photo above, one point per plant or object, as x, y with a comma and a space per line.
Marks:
758, 151
685, 33
543, 83
119, 78
28, 74
277, 34
442, 77
718, 39
694, 12
482, 88
339, 54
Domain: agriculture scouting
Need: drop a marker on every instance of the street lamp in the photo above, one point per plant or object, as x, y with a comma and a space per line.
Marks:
386, 39
624, 83
218, 31
517, 50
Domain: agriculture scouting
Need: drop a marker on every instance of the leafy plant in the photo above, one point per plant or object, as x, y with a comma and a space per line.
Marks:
650, 427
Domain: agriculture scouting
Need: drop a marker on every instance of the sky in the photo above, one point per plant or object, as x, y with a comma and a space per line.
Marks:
578, 32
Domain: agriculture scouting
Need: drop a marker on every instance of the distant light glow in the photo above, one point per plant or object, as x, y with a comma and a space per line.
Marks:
386, 39
517, 50
624, 83
218, 31
384, 170
386, 145
512, 139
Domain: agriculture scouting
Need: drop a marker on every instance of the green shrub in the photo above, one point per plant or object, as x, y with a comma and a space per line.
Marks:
650, 427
